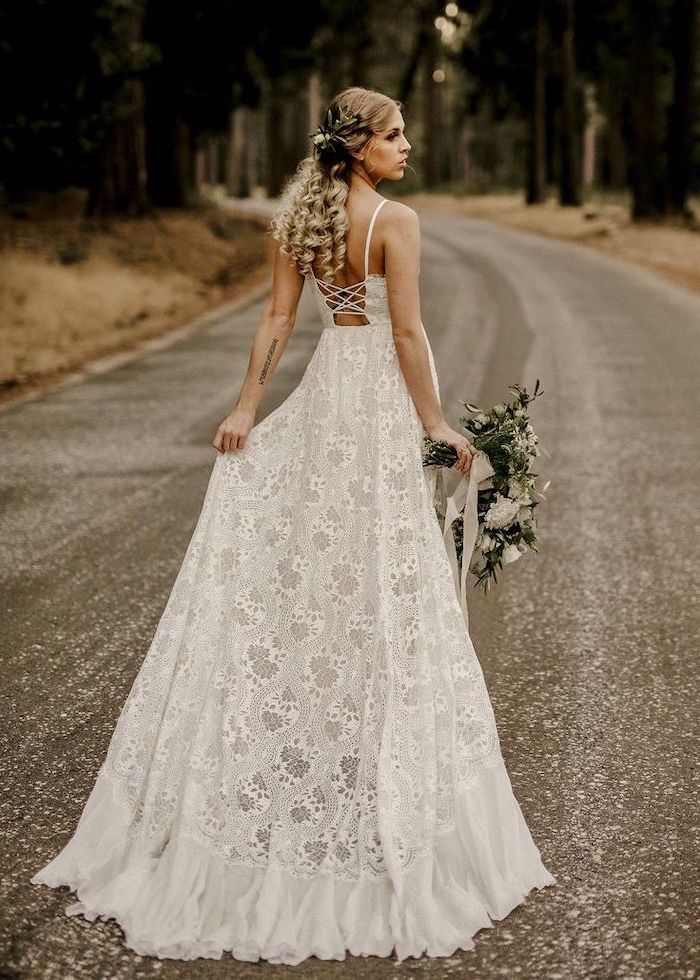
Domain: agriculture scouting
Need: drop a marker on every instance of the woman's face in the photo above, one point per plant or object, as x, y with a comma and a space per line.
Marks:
386, 155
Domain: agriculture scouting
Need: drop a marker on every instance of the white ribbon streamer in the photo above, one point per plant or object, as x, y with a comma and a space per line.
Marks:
464, 496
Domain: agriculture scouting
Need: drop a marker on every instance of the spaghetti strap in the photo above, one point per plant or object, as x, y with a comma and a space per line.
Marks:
369, 234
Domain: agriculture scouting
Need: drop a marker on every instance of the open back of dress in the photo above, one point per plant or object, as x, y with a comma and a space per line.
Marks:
350, 300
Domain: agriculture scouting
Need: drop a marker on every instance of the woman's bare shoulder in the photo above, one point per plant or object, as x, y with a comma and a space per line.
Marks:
400, 217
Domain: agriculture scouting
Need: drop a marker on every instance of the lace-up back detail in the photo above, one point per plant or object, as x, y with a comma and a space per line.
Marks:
344, 299
356, 298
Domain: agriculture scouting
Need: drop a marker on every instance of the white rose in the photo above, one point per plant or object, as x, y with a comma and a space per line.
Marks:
510, 554
502, 512
486, 542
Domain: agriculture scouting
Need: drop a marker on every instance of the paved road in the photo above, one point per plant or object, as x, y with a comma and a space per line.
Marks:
590, 650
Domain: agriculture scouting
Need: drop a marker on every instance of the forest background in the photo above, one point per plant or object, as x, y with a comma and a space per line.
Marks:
574, 119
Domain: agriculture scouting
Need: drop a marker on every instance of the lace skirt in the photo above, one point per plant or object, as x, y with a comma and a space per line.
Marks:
308, 761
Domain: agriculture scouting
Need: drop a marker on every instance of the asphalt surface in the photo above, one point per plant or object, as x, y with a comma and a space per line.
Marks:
590, 650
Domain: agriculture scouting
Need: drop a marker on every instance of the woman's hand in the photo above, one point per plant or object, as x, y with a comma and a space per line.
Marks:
233, 431
465, 450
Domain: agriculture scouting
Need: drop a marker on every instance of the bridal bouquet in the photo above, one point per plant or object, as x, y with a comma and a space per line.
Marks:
503, 490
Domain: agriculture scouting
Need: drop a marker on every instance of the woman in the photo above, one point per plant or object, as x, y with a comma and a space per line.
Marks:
308, 761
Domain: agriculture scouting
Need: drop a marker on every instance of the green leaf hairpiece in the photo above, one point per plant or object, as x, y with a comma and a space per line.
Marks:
329, 133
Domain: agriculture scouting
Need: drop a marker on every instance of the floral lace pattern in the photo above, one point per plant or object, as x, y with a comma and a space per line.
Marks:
311, 696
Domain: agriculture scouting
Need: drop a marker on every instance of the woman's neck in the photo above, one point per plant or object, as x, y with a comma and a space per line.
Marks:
360, 179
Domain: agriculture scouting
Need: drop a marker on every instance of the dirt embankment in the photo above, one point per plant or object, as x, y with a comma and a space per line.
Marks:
671, 249
73, 290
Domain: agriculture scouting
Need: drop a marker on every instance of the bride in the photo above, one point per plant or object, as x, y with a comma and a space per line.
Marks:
308, 761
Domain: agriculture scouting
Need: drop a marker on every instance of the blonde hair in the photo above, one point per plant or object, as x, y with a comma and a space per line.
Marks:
312, 221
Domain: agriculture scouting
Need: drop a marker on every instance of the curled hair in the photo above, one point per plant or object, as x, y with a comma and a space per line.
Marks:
312, 222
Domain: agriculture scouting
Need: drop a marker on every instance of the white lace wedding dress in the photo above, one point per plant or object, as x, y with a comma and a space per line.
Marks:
308, 761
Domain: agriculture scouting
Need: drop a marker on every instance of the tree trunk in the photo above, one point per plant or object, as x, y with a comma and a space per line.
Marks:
647, 162
256, 149
537, 178
314, 97
117, 180
684, 43
212, 146
613, 167
238, 168
281, 129
118, 175
170, 168
590, 136
432, 114
569, 176
425, 26
169, 150
360, 45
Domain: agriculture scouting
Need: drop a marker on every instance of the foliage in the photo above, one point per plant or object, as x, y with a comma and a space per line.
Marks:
506, 509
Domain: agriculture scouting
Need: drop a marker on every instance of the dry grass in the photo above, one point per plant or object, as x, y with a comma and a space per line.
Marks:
671, 249
71, 290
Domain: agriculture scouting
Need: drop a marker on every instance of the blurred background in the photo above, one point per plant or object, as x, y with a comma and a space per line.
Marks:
126, 123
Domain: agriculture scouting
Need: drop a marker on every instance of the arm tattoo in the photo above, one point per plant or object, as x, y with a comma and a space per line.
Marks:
266, 365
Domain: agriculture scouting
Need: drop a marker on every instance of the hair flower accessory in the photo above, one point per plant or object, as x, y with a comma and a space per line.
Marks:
329, 134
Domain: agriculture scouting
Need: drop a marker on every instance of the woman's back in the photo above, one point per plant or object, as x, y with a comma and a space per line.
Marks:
346, 296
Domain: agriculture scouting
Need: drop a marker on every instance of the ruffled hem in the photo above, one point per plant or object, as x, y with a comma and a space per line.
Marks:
186, 902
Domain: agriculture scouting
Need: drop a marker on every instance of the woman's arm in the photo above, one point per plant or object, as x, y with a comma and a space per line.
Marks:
402, 269
270, 340
272, 334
